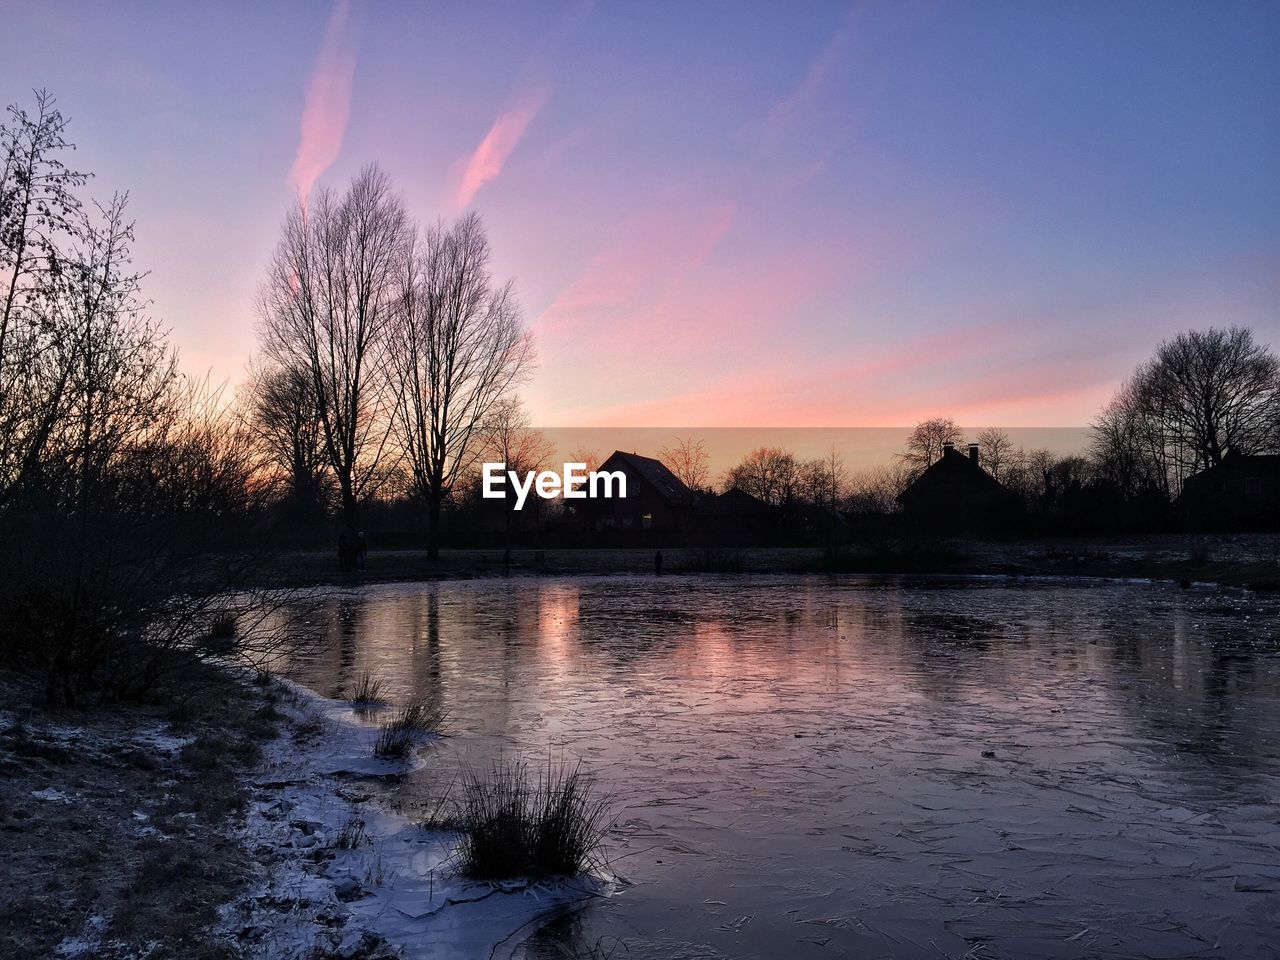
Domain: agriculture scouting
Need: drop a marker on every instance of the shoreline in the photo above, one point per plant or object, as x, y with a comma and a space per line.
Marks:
1250, 561
341, 876
244, 821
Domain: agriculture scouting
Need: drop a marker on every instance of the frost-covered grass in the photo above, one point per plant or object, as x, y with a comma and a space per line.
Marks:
118, 824
521, 821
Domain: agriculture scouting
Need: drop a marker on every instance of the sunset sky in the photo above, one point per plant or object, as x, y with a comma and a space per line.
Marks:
719, 213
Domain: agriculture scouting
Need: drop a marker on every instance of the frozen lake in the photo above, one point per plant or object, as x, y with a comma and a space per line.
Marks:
806, 767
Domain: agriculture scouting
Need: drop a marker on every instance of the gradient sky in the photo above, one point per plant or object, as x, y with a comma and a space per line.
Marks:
720, 213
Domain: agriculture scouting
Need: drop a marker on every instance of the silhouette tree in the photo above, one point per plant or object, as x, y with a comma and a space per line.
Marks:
458, 347
996, 452
689, 461
327, 307
770, 473
285, 422
1214, 392
41, 226
927, 440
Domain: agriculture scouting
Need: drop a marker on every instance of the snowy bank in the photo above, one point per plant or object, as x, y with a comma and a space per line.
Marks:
343, 878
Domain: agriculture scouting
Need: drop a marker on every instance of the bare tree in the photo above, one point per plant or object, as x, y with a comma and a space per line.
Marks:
770, 473
927, 441
1128, 446
41, 221
876, 489
506, 436
585, 455
689, 461
996, 452
284, 420
459, 346
1215, 392
327, 309
821, 481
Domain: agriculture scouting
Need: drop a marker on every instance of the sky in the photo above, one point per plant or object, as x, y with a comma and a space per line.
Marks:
719, 214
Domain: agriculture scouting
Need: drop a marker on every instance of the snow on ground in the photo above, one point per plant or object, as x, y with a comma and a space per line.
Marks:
344, 878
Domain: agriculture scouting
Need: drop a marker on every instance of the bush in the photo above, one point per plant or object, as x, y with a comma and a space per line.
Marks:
514, 825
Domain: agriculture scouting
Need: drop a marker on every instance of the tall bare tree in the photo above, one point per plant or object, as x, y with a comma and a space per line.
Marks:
458, 346
41, 222
327, 308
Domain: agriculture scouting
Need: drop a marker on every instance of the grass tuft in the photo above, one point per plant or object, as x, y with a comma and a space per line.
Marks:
399, 734
351, 834
518, 821
368, 690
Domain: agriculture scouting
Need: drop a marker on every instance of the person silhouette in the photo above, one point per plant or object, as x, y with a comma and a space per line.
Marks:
657, 563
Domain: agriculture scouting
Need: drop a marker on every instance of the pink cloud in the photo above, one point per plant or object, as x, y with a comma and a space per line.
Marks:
328, 102
815, 78
488, 159
659, 251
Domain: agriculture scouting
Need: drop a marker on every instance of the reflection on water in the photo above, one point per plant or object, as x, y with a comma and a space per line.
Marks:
807, 767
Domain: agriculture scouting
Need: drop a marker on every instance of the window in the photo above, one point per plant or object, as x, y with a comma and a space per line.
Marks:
646, 520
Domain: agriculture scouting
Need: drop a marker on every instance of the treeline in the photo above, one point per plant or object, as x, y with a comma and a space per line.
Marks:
134, 498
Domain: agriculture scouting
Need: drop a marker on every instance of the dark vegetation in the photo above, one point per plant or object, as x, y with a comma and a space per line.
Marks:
517, 820
397, 736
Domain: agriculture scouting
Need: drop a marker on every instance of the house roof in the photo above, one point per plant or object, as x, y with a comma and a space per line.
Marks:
951, 472
653, 472
736, 501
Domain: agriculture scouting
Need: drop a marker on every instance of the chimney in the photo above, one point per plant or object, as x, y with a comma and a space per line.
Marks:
973, 452
947, 447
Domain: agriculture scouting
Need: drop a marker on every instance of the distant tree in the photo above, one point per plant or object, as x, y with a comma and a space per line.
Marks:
459, 347
1128, 447
770, 473
876, 490
507, 436
996, 452
1214, 392
688, 459
821, 481
927, 441
585, 455
327, 308
284, 420
1032, 478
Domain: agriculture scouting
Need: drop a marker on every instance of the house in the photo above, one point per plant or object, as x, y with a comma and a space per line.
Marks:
656, 498
1241, 493
954, 494
737, 518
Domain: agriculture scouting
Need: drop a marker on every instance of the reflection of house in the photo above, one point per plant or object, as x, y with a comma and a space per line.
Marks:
955, 493
1240, 492
656, 498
